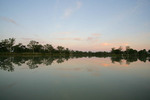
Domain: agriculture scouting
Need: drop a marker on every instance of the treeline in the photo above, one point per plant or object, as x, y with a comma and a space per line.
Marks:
129, 52
7, 46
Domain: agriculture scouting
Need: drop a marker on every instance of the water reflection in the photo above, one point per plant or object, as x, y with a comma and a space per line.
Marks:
7, 63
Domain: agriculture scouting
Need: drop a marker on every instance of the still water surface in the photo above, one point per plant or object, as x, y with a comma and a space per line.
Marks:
47, 78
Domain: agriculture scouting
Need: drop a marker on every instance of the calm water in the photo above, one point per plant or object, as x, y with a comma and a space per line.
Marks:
47, 78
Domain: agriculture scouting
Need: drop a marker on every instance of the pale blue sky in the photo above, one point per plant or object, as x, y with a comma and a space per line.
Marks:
78, 24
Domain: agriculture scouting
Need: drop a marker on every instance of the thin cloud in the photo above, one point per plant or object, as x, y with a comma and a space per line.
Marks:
9, 20
64, 32
96, 34
69, 11
79, 4
125, 44
106, 44
90, 38
114, 44
94, 37
76, 39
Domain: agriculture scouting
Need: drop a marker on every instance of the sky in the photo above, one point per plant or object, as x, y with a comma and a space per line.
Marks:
87, 25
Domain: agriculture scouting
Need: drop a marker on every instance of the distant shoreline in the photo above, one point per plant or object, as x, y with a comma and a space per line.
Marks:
81, 55
8, 47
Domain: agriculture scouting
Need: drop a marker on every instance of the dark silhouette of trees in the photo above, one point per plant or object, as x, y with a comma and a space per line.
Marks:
130, 51
38, 48
67, 51
143, 52
48, 48
117, 51
32, 45
60, 60
149, 52
6, 63
116, 59
20, 48
3, 47
60, 49
6, 45
11, 42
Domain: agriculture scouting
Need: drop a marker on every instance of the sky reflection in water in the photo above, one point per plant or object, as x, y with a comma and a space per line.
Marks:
74, 78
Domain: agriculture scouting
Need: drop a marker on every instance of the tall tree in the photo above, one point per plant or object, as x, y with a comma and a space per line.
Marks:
20, 48
120, 48
32, 44
112, 50
48, 48
128, 48
149, 51
142, 52
116, 51
60, 49
8, 44
38, 48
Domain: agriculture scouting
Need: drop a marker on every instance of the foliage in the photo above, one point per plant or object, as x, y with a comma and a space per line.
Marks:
32, 45
7, 46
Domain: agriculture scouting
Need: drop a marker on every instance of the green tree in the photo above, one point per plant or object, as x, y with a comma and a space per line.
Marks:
11, 44
142, 52
38, 48
128, 48
32, 44
130, 51
120, 48
116, 51
149, 51
112, 50
67, 51
20, 48
60, 49
48, 48
7, 44
3, 47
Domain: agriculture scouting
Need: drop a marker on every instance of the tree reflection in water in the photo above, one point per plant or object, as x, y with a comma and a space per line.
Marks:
7, 63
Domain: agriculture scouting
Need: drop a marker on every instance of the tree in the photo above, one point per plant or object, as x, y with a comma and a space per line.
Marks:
60, 49
142, 52
112, 50
67, 51
130, 51
7, 44
3, 47
120, 48
48, 48
20, 48
116, 51
149, 51
32, 45
128, 48
11, 43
